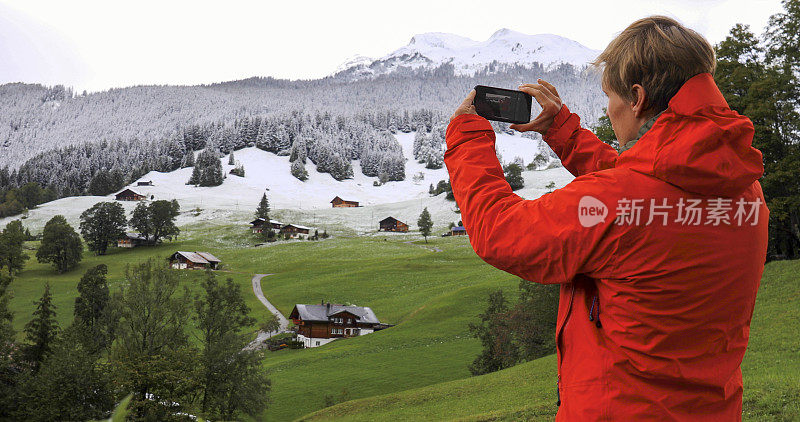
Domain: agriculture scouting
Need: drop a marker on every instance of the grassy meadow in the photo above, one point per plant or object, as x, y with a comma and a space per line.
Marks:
418, 368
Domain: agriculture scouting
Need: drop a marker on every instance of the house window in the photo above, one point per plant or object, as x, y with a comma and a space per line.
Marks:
317, 343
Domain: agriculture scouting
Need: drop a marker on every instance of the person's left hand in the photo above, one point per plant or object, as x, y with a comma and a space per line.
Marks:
466, 107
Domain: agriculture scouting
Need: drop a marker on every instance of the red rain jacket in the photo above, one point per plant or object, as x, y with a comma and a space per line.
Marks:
659, 251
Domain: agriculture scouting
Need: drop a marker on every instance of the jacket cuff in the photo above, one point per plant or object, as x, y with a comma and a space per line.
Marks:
564, 125
464, 124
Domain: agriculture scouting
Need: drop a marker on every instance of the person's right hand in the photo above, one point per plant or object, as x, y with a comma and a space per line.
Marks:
547, 97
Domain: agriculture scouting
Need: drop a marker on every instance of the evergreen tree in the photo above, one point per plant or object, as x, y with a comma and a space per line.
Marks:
425, 223
298, 170
93, 315
513, 173
102, 225
12, 256
263, 208
9, 365
494, 334
60, 245
71, 385
207, 169
41, 331
605, 131
231, 160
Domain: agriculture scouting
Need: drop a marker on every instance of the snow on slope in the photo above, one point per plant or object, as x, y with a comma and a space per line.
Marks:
432, 49
306, 202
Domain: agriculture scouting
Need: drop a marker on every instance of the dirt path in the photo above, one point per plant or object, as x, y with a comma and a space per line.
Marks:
284, 323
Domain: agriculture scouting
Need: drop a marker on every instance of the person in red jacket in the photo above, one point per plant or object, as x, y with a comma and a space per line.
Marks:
659, 248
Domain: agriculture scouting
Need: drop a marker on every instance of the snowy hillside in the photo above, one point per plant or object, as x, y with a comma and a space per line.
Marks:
432, 49
307, 202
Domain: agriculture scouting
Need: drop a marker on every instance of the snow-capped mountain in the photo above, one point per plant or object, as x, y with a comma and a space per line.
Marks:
432, 49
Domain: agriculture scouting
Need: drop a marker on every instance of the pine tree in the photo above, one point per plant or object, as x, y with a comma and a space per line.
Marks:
102, 225
493, 332
8, 360
12, 256
263, 208
93, 317
425, 224
298, 170
231, 160
513, 173
41, 331
60, 245
604, 131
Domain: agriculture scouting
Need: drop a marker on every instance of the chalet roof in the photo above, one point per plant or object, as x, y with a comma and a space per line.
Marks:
128, 190
297, 226
136, 236
261, 220
390, 219
322, 312
198, 257
339, 198
209, 257
459, 229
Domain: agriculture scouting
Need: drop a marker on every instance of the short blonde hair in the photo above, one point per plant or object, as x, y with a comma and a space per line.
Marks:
658, 53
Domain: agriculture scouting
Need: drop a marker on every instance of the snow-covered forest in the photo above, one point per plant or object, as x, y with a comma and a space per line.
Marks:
63, 141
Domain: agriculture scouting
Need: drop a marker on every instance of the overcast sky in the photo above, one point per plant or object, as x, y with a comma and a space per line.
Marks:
96, 45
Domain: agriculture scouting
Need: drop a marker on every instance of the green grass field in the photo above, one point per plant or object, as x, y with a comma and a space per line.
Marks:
418, 368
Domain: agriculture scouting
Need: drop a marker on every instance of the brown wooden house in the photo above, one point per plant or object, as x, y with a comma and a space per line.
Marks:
257, 225
341, 203
129, 195
316, 325
458, 231
296, 231
132, 240
391, 224
190, 260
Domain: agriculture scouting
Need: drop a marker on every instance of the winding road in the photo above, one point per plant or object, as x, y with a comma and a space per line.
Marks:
284, 323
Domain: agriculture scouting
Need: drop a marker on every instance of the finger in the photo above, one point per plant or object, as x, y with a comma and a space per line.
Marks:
468, 101
544, 91
549, 86
524, 127
538, 93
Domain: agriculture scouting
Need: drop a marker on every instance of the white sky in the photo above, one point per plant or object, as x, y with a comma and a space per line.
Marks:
96, 45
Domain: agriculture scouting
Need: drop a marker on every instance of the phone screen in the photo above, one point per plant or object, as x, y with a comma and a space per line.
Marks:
503, 105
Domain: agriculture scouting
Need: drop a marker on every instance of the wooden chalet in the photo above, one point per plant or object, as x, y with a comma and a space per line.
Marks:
190, 260
391, 224
132, 240
341, 203
458, 231
296, 231
129, 195
257, 225
316, 325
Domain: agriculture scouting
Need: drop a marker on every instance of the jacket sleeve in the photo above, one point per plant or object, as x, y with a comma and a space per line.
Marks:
538, 240
579, 149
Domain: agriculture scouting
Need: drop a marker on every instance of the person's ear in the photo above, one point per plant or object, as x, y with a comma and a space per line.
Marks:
639, 100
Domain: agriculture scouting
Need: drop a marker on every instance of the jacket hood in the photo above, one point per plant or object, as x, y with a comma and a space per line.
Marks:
698, 144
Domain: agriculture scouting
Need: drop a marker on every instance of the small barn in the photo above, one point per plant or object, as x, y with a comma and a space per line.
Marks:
296, 231
190, 260
391, 224
341, 203
129, 195
458, 231
132, 240
320, 324
257, 225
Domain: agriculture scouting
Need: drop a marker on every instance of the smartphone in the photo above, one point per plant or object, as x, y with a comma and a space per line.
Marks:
502, 105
